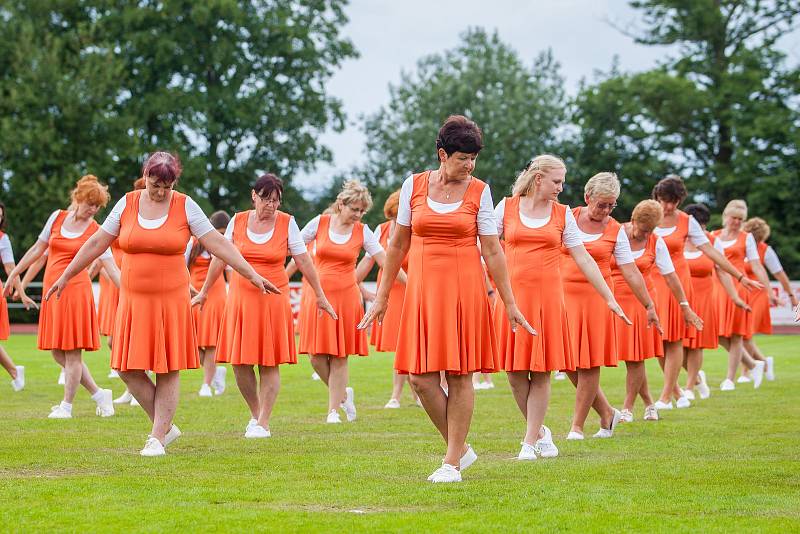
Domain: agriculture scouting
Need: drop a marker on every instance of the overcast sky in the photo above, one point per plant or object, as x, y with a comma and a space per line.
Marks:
392, 35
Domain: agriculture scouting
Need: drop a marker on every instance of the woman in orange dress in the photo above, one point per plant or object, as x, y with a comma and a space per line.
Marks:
208, 320
735, 323
153, 329
68, 325
446, 322
676, 228
534, 227
639, 343
339, 239
257, 329
592, 323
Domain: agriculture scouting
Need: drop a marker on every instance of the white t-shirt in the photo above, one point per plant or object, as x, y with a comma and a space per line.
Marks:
371, 245
696, 234
296, 244
44, 235
198, 222
570, 236
486, 221
663, 260
622, 246
751, 249
770, 260
187, 254
6, 252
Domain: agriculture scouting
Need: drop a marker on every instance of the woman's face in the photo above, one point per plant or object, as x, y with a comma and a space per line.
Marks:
84, 210
353, 211
458, 165
669, 206
600, 207
733, 222
156, 190
266, 206
551, 183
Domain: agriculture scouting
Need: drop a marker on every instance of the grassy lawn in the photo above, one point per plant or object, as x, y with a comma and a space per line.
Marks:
730, 463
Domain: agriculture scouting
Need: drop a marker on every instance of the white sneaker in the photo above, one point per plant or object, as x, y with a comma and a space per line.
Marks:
105, 406
218, 382
153, 447
609, 432
545, 446
527, 452
205, 391
743, 379
333, 417
62, 379
479, 385
662, 405
393, 403
727, 385
250, 424
574, 436
113, 374
173, 434
446, 473
468, 459
689, 394
758, 373
134, 402
702, 386
770, 372
489, 385
59, 413
651, 413
559, 375
125, 398
683, 402
603, 433
626, 417
257, 431
349, 404
315, 376
19, 383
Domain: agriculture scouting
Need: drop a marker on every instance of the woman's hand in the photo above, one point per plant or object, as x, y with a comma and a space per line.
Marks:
516, 319
375, 312
192, 291
742, 304
200, 299
692, 318
263, 284
11, 286
56, 288
773, 300
617, 309
652, 319
797, 313
366, 294
323, 306
751, 285
28, 302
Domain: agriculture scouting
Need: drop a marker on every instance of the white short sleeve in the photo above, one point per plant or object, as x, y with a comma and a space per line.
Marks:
187, 254
622, 248
663, 259
404, 208
112, 222
718, 244
499, 215
696, 234
751, 248
571, 236
309, 232
107, 255
229, 229
198, 222
44, 235
486, 221
772, 262
296, 243
371, 244
6, 252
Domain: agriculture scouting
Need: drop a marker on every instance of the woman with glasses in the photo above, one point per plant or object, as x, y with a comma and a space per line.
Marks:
339, 239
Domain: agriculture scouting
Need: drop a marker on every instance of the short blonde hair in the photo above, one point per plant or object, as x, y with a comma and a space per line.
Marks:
758, 227
647, 214
735, 208
542, 164
353, 191
89, 190
391, 205
602, 184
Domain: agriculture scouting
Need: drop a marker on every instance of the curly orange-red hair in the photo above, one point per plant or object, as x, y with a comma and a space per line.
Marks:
89, 190
391, 205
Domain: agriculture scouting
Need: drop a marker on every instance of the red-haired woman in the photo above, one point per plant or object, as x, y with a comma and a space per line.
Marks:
153, 329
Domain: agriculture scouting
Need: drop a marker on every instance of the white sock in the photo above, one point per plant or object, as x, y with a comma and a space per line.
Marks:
98, 396
66, 406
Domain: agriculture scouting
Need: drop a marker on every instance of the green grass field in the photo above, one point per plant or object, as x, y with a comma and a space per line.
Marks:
730, 463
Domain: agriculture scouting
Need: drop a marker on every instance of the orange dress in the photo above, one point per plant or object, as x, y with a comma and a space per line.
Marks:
69, 322
336, 266
759, 300
592, 327
533, 257
109, 296
446, 323
153, 329
207, 322
705, 289
384, 336
638, 342
257, 328
732, 319
667, 306
5, 328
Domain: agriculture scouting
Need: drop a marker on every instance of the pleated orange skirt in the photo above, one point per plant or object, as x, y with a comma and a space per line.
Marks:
208, 321
637, 342
759, 302
592, 326
69, 322
5, 328
107, 306
705, 306
320, 335
384, 335
733, 320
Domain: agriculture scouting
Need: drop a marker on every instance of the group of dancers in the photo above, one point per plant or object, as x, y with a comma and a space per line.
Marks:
578, 291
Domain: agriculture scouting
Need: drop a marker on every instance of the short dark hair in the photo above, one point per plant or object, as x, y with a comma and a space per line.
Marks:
219, 219
266, 184
164, 167
700, 212
670, 189
3, 217
459, 134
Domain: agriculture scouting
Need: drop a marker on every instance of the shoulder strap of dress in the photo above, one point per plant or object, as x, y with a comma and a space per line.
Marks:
612, 228
511, 208
558, 212
475, 191
419, 183
282, 222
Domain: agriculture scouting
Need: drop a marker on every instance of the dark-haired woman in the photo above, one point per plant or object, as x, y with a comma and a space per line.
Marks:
208, 319
446, 322
153, 329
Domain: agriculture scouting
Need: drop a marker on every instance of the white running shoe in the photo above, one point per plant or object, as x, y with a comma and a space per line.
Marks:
218, 382
468, 459
134, 402
349, 404
743, 379
125, 398
758, 373
527, 452
574, 436
333, 417
152, 447
702, 386
113, 374
315, 376
257, 431
59, 413
603, 433
545, 446
105, 406
446, 473
250, 424
205, 391
560, 375
689, 394
651, 413
173, 434
19, 383
727, 385
489, 385
393, 403
609, 432
683, 402
479, 385
626, 417
770, 371
663, 405
62, 378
